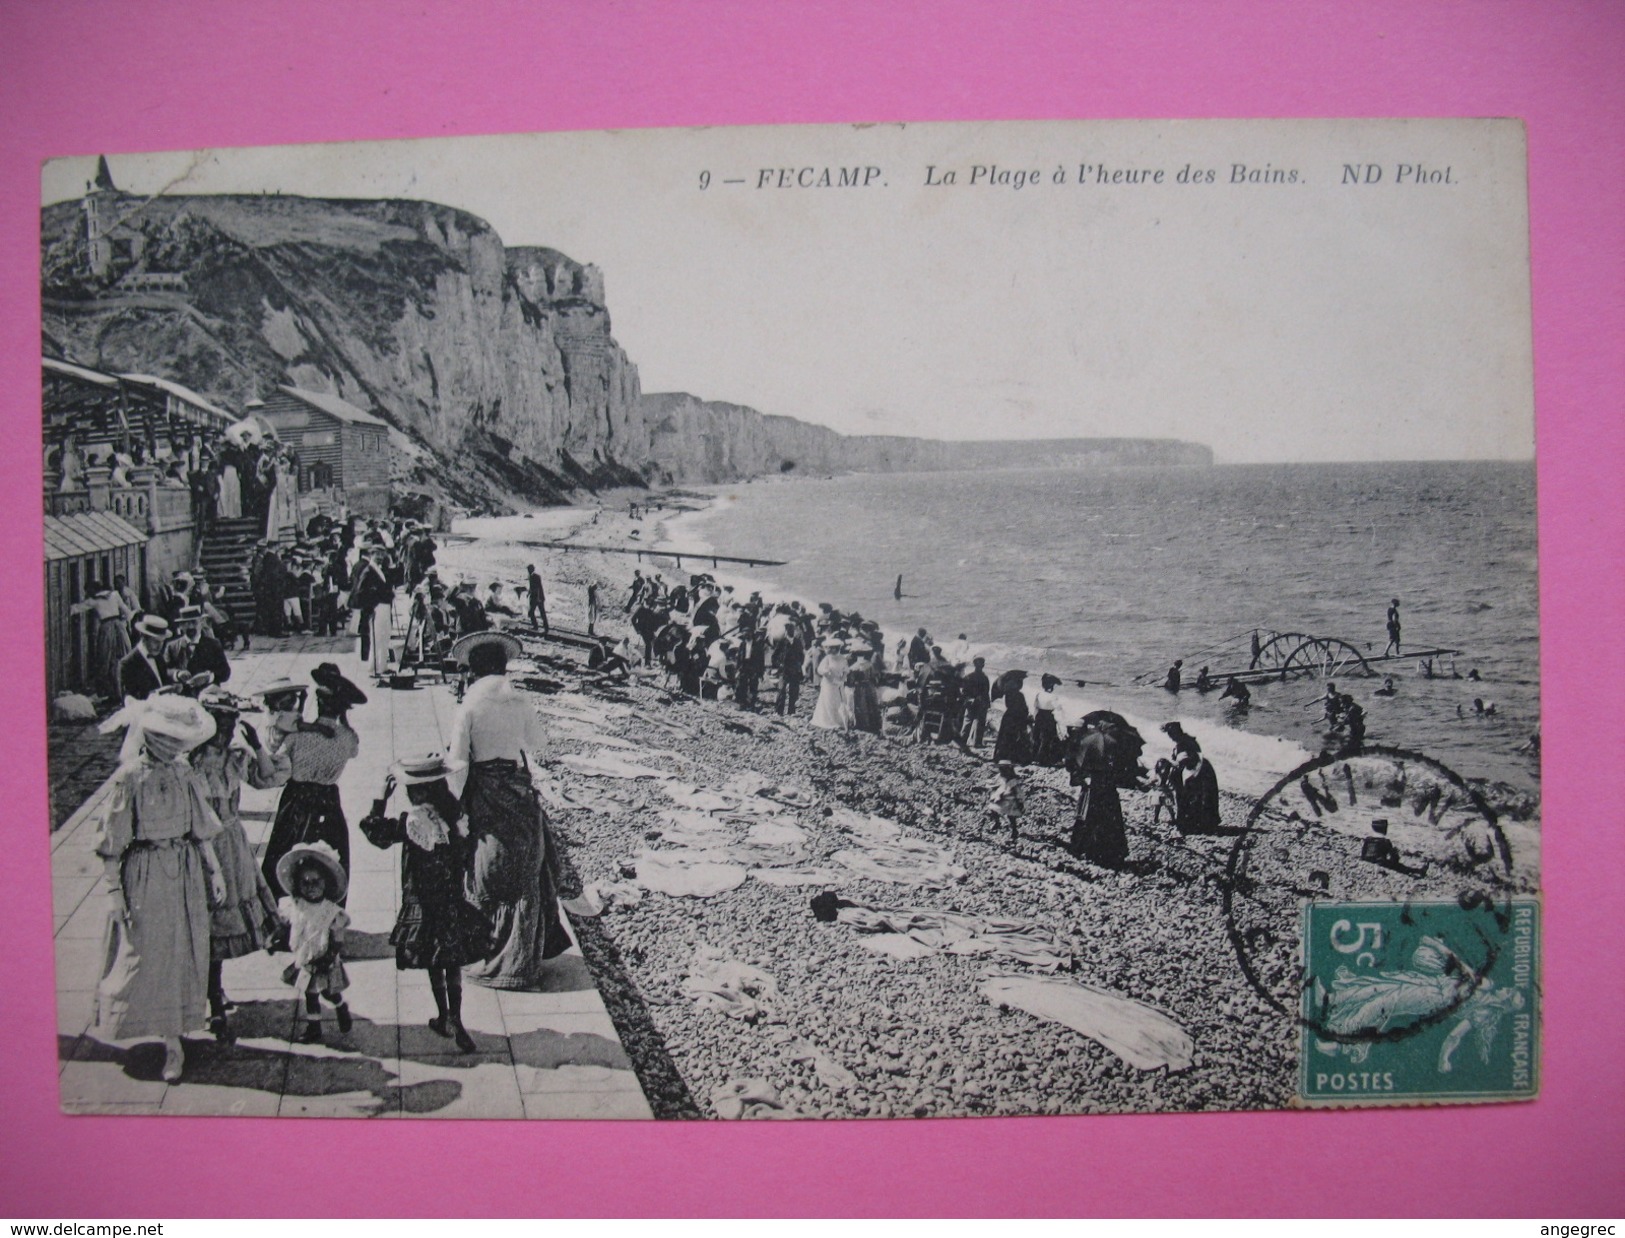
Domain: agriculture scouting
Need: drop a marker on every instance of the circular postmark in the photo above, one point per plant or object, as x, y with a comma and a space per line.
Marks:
1383, 828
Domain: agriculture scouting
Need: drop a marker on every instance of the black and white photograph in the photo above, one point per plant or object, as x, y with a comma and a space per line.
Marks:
851, 621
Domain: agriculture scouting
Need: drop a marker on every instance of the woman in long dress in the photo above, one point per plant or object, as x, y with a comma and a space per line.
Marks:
111, 638
317, 752
1098, 834
513, 869
1046, 734
833, 711
155, 843
229, 506
865, 695
1011, 743
240, 925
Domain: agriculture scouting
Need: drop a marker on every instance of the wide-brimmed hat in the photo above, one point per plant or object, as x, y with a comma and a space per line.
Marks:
331, 681
321, 853
152, 625
281, 687
217, 700
428, 768
466, 645
178, 719
187, 614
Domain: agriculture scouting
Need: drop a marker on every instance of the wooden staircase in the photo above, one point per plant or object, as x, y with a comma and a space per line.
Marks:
224, 557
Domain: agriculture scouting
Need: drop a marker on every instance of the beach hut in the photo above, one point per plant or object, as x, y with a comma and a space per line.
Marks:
80, 549
343, 451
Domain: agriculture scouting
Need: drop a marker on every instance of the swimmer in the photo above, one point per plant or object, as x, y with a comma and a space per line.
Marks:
1387, 688
1393, 629
1203, 683
1483, 710
1237, 691
1171, 681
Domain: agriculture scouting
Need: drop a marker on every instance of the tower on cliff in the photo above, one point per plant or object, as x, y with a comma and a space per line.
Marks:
108, 240
97, 205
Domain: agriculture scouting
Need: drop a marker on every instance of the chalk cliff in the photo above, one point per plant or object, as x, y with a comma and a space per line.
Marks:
499, 362
708, 441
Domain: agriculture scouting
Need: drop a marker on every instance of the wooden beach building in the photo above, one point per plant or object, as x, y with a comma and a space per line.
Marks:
80, 550
105, 519
343, 451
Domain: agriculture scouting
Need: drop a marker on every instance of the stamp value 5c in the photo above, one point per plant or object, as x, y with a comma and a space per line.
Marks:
1412, 1002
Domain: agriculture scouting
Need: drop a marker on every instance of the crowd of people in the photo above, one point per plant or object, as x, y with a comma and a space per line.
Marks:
479, 896
710, 643
479, 869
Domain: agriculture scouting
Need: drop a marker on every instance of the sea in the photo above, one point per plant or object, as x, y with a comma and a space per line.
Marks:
1104, 577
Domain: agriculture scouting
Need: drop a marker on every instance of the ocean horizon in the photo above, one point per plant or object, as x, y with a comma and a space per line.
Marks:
1105, 576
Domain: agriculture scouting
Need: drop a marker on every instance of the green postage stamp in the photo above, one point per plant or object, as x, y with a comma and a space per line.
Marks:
1420, 1001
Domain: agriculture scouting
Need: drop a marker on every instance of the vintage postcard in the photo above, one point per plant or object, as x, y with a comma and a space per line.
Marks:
816, 622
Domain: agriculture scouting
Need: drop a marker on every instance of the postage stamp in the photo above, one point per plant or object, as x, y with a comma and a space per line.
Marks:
1408, 1002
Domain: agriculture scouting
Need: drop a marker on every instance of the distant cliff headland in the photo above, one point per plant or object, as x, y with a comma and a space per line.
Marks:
498, 363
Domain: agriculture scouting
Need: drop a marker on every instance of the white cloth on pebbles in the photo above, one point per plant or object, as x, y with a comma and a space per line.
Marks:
599, 896
685, 796
687, 874
901, 861
749, 1098
606, 764
718, 982
956, 933
796, 876
1143, 1037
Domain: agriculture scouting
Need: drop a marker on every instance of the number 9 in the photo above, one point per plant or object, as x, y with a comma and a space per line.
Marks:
705, 180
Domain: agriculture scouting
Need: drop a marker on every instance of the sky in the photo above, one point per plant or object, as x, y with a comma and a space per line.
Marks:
1339, 290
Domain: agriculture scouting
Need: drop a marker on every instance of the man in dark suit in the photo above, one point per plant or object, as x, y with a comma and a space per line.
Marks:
206, 652
142, 672
975, 697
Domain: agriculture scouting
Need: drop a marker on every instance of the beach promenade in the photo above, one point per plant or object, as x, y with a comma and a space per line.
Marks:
551, 1054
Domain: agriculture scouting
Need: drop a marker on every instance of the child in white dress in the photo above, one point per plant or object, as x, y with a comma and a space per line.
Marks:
315, 922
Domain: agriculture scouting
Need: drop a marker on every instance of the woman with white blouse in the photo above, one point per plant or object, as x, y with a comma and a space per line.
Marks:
513, 869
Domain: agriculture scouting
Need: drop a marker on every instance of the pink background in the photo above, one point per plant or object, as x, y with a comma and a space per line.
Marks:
80, 78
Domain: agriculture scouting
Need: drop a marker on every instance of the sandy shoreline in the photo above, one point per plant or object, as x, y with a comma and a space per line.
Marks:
842, 1028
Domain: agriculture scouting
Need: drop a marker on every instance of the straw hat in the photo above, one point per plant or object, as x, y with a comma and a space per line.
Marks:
429, 768
281, 687
155, 626
467, 644
321, 853
178, 724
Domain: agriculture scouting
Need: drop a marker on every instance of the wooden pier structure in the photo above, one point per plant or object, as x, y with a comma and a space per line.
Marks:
699, 556
1278, 656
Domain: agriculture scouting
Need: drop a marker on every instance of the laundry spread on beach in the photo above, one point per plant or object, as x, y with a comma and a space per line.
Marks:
749, 1098
796, 876
599, 896
607, 764
687, 874
956, 933
901, 861
687, 796
748, 785
1143, 1037
865, 824
719, 982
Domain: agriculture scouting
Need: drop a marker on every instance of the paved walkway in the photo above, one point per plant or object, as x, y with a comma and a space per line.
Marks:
553, 1054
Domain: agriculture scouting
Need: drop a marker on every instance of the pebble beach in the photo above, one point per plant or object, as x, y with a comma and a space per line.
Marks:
697, 838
